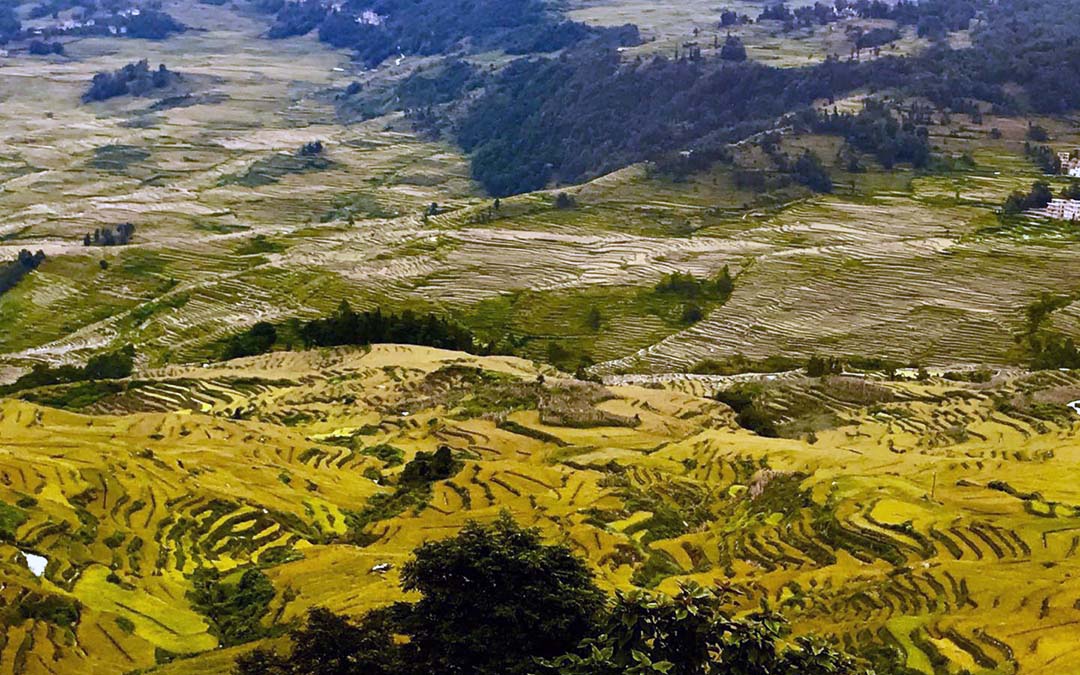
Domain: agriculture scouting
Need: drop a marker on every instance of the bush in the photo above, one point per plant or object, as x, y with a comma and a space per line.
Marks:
55, 609
733, 49
235, 604
11, 519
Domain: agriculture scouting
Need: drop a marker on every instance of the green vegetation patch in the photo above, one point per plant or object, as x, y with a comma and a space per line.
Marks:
577, 327
117, 158
235, 603
272, 169
11, 519
356, 205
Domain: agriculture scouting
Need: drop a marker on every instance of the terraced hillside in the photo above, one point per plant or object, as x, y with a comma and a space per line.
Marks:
936, 516
235, 226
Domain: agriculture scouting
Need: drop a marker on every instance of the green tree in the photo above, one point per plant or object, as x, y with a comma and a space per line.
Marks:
593, 318
694, 633
328, 644
496, 585
733, 49
494, 599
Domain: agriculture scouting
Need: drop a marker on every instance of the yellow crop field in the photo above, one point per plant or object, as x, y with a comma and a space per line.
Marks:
942, 521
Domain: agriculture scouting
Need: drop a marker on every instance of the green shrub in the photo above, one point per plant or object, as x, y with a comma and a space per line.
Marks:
55, 609
11, 519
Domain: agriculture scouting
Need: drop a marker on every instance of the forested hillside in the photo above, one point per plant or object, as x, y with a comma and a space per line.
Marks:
589, 112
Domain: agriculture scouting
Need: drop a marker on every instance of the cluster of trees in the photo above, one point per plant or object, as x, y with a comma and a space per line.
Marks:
380, 29
876, 37
808, 170
694, 291
413, 490
750, 413
819, 14
42, 48
259, 339
152, 24
733, 49
1037, 198
135, 79
689, 287
113, 365
729, 18
149, 23
363, 328
348, 327
449, 81
891, 135
1042, 155
106, 236
12, 273
234, 604
10, 25
494, 600
569, 119
819, 366
933, 18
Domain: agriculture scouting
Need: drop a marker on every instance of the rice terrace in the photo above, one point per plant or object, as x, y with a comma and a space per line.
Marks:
539, 337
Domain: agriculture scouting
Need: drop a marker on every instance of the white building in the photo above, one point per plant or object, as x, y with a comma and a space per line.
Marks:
1070, 163
1064, 209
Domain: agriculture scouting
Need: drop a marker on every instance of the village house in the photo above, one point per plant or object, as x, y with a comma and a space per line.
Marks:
1070, 163
1064, 209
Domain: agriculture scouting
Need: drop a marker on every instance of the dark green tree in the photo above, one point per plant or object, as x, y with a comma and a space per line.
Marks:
496, 585
695, 633
733, 49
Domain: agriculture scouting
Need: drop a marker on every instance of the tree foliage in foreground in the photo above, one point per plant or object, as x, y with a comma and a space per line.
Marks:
695, 633
495, 600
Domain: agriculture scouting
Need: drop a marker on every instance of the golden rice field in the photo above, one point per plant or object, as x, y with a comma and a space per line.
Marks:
936, 516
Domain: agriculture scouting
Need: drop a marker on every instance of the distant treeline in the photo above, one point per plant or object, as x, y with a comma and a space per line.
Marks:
10, 25
135, 79
586, 114
12, 272
148, 23
348, 327
379, 29
108, 366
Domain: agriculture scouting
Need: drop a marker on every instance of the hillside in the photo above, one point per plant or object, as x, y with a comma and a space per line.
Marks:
775, 298
939, 518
